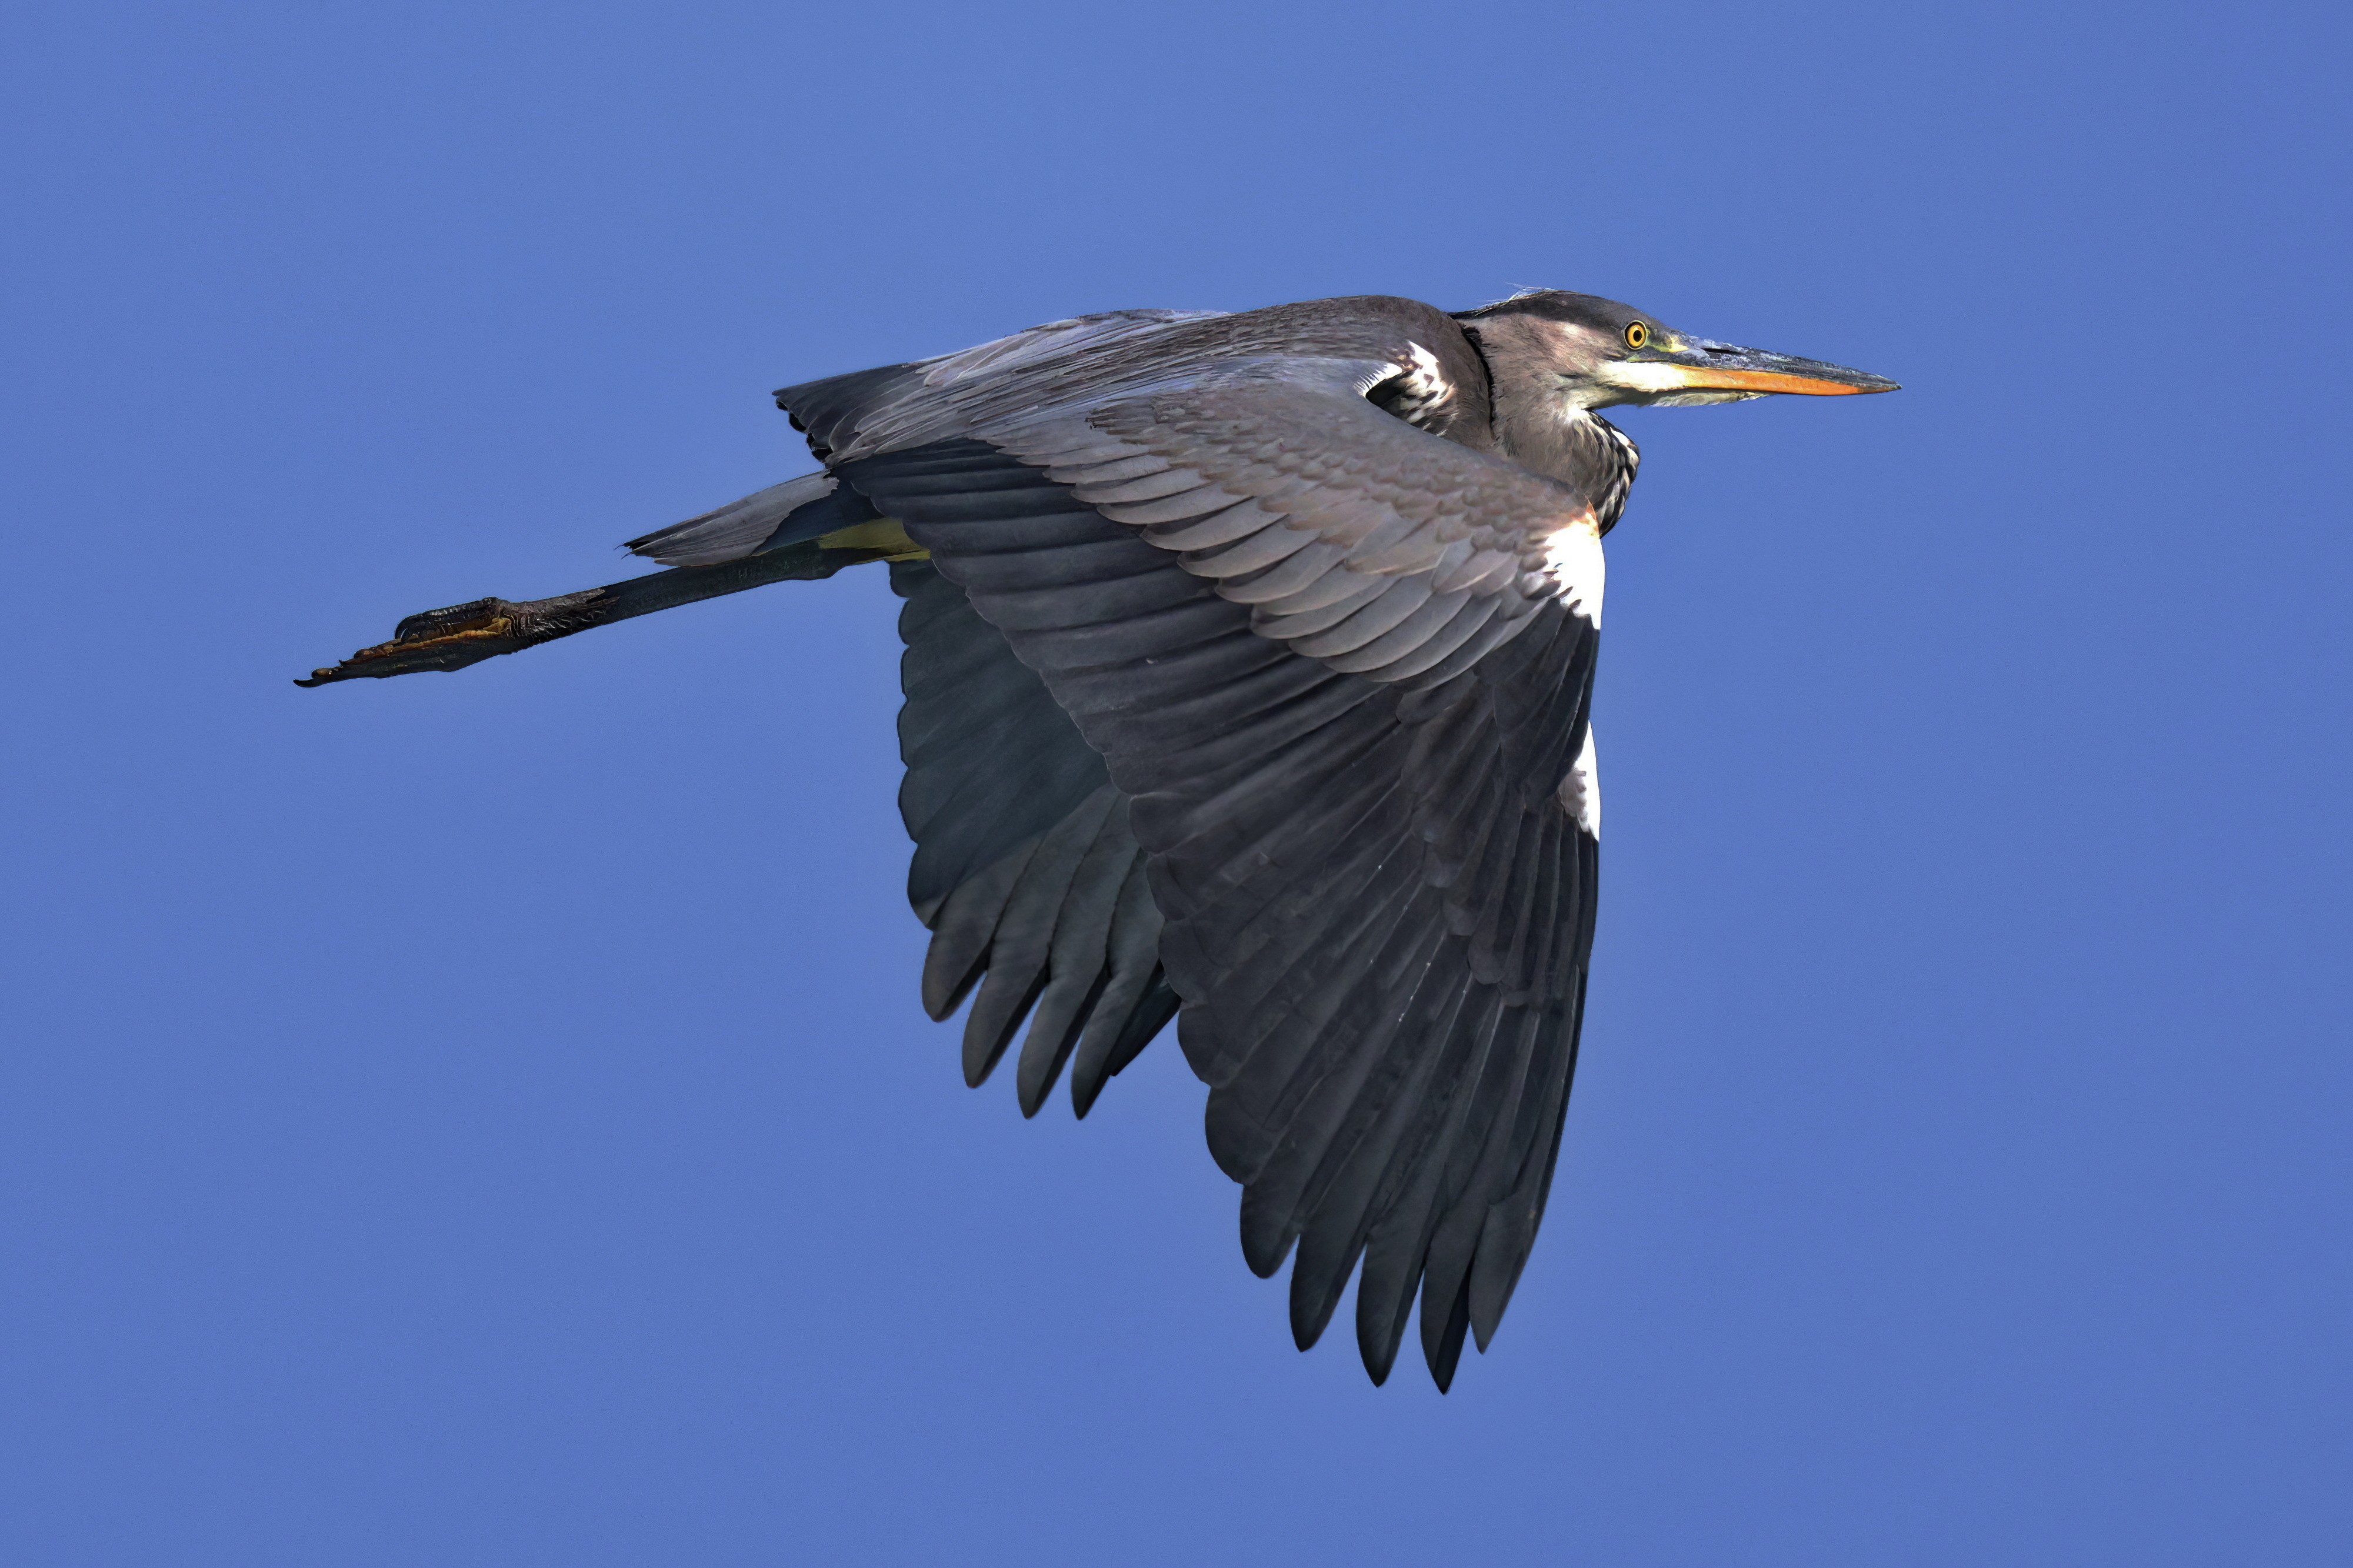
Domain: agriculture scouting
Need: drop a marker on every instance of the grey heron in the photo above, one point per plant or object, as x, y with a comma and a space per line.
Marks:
1250, 659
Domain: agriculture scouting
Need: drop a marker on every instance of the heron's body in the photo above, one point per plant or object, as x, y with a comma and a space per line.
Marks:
1249, 664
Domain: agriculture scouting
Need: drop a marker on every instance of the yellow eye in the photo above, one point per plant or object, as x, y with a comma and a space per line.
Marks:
1637, 334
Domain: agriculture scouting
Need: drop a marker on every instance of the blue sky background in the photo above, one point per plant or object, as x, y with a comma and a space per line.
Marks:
487, 1120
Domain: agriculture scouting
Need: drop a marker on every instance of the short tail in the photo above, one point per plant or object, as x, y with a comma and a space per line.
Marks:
793, 512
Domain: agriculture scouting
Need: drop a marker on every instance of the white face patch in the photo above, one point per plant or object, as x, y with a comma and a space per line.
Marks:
1574, 561
1662, 386
1643, 375
1580, 792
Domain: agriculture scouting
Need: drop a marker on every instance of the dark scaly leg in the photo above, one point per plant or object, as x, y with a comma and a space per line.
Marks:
469, 633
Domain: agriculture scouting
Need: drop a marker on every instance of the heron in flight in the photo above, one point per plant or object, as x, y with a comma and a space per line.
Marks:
1249, 669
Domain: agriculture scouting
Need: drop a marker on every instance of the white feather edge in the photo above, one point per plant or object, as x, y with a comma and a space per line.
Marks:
1580, 792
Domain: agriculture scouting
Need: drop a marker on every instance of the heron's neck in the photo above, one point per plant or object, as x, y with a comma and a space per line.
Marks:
1576, 447
1541, 424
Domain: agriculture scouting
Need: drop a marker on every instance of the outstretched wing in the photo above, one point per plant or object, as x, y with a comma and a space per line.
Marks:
1340, 669
1025, 869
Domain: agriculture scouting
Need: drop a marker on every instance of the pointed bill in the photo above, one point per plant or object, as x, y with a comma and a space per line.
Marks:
1705, 366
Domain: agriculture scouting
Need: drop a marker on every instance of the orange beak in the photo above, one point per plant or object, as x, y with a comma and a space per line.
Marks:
1705, 366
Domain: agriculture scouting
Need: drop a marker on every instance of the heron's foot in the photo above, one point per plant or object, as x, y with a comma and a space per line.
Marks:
466, 634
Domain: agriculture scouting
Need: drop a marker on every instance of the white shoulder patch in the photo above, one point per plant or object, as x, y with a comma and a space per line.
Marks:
1416, 389
1422, 375
1580, 792
1573, 560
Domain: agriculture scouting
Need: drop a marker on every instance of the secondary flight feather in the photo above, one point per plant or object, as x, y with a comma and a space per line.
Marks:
1249, 682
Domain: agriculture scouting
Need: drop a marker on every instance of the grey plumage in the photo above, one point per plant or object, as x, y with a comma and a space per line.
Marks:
1248, 674
793, 512
1022, 854
1332, 928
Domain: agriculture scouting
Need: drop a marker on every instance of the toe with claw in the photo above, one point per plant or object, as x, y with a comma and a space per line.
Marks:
466, 634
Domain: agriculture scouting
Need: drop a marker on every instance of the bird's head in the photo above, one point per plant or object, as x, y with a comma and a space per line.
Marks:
1578, 352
